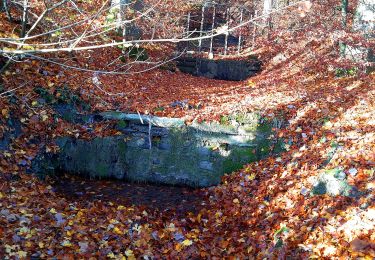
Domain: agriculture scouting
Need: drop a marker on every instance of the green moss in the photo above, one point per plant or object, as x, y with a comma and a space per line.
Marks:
264, 127
264, 148
122, 124
249, 128
102, 170
224, 120
230, 166
122, 148
241, 118
279, 146
43, 93
238, 158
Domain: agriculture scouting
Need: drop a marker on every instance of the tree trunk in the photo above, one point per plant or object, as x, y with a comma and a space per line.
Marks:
5, 8
364, 22
24, 17
267, 7
344, 13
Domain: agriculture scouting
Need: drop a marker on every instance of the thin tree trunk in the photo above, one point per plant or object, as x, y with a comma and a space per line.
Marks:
344, 13
24, 18
5, 8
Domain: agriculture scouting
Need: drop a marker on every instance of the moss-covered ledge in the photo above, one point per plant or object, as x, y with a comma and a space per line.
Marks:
165, 150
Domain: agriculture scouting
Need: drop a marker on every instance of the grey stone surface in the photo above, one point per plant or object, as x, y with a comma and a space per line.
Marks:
334, 183
196, 155
206, 165
233, 70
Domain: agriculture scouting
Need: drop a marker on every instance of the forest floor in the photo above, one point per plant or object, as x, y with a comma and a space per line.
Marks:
264, 210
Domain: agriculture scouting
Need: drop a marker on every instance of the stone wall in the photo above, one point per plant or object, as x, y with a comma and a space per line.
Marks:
234, 70
164, 150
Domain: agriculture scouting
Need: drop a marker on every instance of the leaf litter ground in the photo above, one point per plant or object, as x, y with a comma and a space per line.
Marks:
264, 210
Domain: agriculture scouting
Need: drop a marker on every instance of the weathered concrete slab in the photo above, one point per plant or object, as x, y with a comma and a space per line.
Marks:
164, 150
234, 70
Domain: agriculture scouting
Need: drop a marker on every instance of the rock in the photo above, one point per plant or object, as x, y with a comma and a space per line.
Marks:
196, 155
83, 247
178, 237
205, 165
204, 151
333, 182
304, 191
4, 212
233, 70
16, 238
11, 218
279, 58
353, 171
59, 219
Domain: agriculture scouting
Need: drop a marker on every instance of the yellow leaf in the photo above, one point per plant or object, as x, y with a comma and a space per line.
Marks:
50, 84
187, 242
53, 211
118, 231
22, 254
120, 207
66, 243
34, 103
44, 117
1, 195
251, 84
251, 177
41, 244
129, 253
5, 112
111, 255
236, 201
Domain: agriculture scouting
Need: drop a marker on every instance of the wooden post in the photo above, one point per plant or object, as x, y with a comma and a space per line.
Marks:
212, 29
201, 29
226, 35
240, 36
